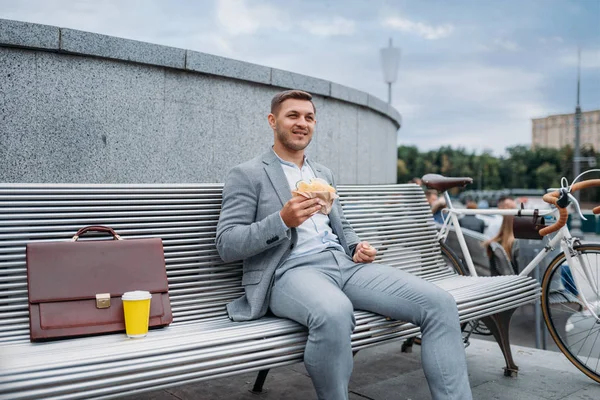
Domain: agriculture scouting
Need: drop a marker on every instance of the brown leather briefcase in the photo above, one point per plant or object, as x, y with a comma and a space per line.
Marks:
75, 287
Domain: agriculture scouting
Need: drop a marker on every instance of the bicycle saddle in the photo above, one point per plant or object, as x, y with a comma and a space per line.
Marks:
442, 183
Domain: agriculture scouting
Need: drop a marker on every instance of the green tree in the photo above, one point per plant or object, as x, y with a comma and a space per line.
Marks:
545, 176
521, 167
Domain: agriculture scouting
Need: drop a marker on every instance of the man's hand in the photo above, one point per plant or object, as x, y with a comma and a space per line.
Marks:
298, 210
364, 253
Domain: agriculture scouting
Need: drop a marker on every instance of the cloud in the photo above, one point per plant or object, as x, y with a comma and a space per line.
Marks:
237, 17
470, 105
471, 82
590, 58
551, 40
419, 28
499, 44
507, 45
409, 109
494, 134
338, 26
213, 43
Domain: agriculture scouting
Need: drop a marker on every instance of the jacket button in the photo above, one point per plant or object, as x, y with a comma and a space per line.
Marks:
291, 246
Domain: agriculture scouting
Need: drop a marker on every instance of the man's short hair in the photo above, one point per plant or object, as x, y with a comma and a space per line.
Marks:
280, 97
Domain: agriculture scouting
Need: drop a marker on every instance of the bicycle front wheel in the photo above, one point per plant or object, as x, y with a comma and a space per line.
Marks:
572, 326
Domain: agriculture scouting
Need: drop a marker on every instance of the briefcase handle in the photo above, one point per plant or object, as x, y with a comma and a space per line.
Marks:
96, 228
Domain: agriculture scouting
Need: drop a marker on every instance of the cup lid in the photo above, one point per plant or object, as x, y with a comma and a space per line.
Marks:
136, 295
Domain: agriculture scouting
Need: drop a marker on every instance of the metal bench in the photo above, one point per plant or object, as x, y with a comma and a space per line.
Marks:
202, 343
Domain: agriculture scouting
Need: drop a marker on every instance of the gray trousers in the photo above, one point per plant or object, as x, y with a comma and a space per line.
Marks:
321, 291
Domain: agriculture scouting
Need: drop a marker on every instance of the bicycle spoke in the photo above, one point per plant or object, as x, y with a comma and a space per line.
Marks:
591, 348
579, 333
572, 335
579, 341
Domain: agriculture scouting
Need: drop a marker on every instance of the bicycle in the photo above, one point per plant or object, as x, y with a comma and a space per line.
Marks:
570, 298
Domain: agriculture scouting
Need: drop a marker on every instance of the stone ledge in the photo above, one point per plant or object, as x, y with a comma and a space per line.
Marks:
215, 65
80, 42
378, 104
292, 80
26, 34
395, 115
348, 94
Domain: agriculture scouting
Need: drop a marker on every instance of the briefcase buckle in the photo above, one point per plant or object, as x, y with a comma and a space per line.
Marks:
103, 300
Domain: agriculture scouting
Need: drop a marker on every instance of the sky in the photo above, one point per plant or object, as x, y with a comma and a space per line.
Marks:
472, 73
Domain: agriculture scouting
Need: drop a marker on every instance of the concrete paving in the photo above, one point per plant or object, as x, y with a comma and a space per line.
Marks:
384, 372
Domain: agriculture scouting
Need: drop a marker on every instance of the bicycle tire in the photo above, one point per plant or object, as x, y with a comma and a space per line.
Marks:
453, 260
560, 301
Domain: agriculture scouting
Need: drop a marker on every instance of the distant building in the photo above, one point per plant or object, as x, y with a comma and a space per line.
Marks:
557, 131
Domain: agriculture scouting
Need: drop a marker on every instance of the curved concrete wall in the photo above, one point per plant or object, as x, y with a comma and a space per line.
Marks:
88, 108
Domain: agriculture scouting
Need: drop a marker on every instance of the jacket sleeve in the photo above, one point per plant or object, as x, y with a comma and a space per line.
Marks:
238, 235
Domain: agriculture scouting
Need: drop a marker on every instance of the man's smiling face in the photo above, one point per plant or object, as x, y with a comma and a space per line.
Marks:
294, 124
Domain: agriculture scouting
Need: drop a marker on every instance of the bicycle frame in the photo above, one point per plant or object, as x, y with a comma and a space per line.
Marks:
579, 267
452, 218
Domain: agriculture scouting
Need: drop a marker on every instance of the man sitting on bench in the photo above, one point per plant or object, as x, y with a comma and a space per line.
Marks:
312, 268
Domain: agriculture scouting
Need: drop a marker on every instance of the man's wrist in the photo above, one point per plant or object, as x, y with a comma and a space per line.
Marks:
285, 227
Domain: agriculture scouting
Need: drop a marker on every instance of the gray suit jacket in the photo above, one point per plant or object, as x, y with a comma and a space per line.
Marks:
250, 228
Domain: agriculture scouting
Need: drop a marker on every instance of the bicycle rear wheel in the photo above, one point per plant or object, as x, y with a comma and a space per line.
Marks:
573, 328
452, 260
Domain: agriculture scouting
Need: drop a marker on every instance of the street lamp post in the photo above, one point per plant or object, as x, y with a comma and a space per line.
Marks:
390, 60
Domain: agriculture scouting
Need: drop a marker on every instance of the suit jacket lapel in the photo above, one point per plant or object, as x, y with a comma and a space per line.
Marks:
277, 177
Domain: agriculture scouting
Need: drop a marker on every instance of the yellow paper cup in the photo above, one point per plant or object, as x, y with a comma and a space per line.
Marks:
136, 306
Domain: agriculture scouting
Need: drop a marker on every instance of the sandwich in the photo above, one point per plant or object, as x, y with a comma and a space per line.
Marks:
317, 188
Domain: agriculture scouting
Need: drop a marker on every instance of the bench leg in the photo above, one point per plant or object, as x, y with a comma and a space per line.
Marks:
499, 325
260, 381
407, 345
